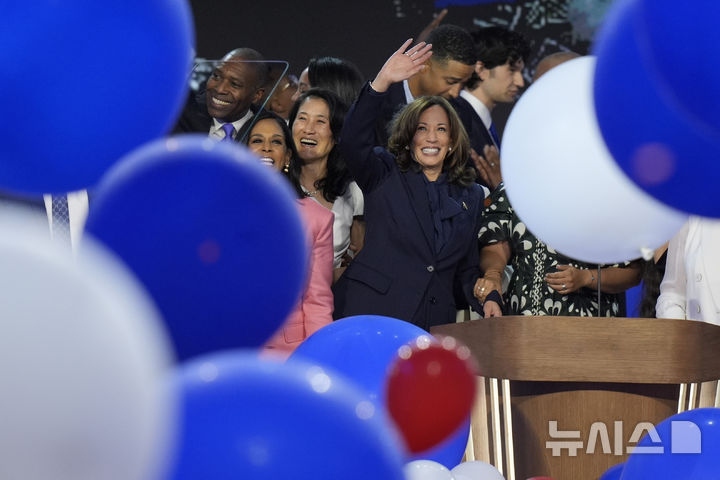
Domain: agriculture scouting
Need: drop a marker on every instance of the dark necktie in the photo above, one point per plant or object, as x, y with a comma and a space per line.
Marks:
229, 129
494, 135
60, 218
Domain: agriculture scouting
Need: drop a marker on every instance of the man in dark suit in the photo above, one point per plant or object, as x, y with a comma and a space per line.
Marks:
444, 74
497, 78
223, 109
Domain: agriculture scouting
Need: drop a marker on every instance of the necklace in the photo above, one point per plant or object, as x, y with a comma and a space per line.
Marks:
310, 193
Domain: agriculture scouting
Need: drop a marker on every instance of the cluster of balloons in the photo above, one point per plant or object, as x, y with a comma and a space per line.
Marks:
426, 385
604, 156
84, 359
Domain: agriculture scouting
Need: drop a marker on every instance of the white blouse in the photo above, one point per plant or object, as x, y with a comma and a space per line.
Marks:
691, 286
345, 208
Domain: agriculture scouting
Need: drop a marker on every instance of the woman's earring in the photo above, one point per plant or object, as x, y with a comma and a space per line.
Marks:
286, 168
449, 149
407, 147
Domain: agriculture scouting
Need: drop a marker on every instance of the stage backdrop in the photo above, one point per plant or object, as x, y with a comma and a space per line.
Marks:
366, 32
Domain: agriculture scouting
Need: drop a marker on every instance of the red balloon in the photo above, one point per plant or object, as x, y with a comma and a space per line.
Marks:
430, 391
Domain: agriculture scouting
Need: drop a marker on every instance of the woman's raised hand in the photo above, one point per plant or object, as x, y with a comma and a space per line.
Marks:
402, 65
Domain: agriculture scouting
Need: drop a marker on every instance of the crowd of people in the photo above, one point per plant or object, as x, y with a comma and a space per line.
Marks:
399, 183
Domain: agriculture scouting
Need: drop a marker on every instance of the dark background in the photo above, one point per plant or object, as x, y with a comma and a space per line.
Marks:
366, 32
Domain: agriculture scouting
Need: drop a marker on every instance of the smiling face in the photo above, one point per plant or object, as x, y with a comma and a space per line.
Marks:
431, 141
232, 87
268, 141
311, 130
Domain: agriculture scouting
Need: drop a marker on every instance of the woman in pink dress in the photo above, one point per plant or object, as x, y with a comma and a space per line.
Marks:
272, 141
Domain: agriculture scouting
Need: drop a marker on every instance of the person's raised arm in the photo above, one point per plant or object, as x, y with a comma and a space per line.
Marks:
358, 133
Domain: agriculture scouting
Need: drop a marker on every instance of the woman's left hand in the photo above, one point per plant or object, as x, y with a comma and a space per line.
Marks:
568, 279
492, 309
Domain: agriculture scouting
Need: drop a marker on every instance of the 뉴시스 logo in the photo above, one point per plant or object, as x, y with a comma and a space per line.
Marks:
685, 437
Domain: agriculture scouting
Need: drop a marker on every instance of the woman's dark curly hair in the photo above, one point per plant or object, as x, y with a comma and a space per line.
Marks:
404, 127
290, 144
337, 178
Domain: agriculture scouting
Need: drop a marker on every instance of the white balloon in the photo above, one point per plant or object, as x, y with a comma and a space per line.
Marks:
426, 470
563, 182
83, 363
476, 470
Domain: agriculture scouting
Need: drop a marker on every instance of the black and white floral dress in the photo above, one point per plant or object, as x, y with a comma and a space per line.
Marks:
528, 293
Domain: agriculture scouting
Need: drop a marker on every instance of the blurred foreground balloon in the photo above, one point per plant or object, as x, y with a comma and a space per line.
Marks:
476, 470
562, 181
249, 418
83, 363
661, 126
427, 470
113, 74
213, 235
686, 445
362, 348
430, 391
613, 473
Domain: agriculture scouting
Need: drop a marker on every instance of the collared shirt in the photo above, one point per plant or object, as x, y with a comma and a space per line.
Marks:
218, 133
480, 108
77, 210
408, 94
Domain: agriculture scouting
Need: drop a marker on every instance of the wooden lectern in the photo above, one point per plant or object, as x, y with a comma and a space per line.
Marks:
569, 397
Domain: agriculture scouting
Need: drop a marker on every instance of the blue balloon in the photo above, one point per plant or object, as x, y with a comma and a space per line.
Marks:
362, 348
213, 235
85, 82
247, 418
661, 128
687, 446
613, 473
449, 452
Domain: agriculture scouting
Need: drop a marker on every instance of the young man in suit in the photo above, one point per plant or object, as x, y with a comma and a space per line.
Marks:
224, 110
444, 74
497, 78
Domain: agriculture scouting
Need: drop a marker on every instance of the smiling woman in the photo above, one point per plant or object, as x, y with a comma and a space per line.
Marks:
316, 121
423, 207
271, 140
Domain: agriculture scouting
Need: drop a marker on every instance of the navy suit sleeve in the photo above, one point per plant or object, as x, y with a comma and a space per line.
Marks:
469, 268
367, 163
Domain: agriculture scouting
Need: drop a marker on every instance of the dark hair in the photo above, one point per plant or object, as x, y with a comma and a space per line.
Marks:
495, 46
266, 115
404, 127
450, 42
337, 75
256, 60
337, 177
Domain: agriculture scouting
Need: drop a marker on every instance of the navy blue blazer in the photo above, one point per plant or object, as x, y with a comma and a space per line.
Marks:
393, 101
398, 273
